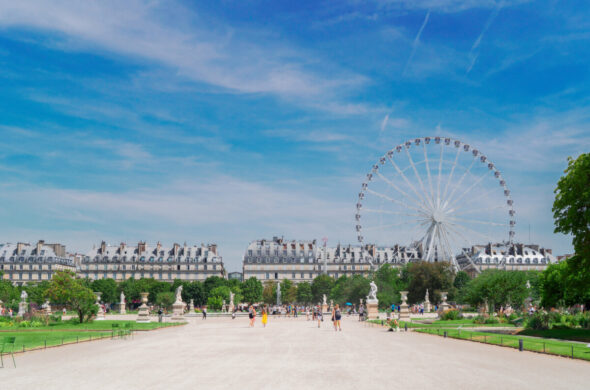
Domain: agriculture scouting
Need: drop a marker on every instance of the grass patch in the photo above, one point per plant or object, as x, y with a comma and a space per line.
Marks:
559, 333
446, 324
92, 326
30, 340
553, 347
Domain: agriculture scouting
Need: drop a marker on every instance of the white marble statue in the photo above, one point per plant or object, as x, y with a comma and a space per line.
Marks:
373, 293
278, 294
24, 295
426, 297
122, 298
179, 293
231, 298
325, 302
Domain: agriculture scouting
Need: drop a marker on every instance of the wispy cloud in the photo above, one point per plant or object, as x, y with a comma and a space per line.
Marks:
472, 54
415, 43
203, 51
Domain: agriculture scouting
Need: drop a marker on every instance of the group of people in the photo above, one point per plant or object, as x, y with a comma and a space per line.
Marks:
315, 312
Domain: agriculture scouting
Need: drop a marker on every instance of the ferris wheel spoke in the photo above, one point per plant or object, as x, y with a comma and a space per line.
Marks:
428, 172
392, 213
452, 212
469, 230
365, 228
476, 221
392, 184
486, 195
450, 178
430, 245
452, 258
439, 175
418, 177
407, 181
468, 189
383, 196
459, 183
463, 250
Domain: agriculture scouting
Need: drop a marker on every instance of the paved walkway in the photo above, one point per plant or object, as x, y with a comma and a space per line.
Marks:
289, 354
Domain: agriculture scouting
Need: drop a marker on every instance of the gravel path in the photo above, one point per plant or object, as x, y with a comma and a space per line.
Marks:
223, 353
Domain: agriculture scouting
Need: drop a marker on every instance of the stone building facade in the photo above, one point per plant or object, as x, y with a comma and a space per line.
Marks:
182, 262
302, 261
513, 257
24, 263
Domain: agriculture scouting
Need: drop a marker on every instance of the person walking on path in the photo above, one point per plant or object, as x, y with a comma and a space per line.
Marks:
204, 313
336, 317
320, 316
264, 316
252, 316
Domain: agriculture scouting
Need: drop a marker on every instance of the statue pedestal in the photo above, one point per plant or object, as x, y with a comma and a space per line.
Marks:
427, 307
22, 309
231, 307
122, 309
191, 309
443, 305
324, 308
100, 315
178, 311
404, 311
143, 314
372, 309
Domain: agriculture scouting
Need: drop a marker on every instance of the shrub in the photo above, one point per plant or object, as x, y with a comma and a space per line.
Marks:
538, 320
451, 315
479, 319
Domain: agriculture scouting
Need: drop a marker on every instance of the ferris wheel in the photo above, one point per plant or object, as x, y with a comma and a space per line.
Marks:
439, 196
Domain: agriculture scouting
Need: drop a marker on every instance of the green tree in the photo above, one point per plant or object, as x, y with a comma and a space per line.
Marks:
64, 288
9, 294
321, 285
435, 277
389, 284
304, 294
212, 282
214, 303
165, 299
108, 288
269, 293
221, 292
498, 288
571, 208
252, 290
38, 292
196, 291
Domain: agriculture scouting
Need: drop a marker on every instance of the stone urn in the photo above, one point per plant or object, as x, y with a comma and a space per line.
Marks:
404, 311
143, 314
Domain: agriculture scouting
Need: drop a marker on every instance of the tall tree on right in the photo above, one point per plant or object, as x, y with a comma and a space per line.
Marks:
571, 212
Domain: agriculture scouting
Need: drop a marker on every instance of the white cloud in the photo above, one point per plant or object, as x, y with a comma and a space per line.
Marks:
175, 37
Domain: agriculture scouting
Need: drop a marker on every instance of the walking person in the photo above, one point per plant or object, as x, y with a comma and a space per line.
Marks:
252, 316
264, 316
336, 317
320, 316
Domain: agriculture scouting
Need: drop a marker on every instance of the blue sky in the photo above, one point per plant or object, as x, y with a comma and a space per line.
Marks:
230, 121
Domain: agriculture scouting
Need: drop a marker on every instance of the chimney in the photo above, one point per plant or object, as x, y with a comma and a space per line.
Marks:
140, 247
158, 247
121, 248
19, 248
176, 246
103, 247
39, 246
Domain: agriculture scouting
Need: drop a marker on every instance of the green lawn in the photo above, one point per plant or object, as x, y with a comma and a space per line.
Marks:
559, 333
554, 347
94, 326
32, 340
447, 324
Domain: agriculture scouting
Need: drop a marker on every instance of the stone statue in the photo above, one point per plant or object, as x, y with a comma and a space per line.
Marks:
122, 298
325, 302
231, 299
24, 295
426, 297
179, 293
373, 293
278, 294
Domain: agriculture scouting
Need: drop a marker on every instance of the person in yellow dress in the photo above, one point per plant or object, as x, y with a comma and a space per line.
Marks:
264, 316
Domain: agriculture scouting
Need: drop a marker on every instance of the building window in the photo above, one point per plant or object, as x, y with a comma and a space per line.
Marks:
276, 275
293, 275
